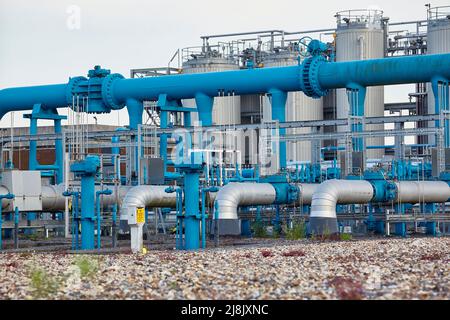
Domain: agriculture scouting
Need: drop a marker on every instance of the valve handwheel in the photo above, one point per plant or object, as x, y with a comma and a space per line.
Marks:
303, 45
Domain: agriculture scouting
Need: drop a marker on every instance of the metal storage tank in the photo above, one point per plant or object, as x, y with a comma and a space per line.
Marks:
227, 109
299, 107
360, 36
438, 41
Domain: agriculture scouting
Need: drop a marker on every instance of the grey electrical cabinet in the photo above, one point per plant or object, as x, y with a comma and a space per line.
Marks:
26, 187
152, 171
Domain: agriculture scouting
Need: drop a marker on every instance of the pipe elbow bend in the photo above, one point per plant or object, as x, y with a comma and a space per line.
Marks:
146, 196
235, 194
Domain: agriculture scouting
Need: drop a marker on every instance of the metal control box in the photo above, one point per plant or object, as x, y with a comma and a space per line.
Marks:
136, 216
27, 189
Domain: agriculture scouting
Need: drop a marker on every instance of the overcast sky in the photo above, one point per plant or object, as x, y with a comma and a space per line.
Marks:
38, 47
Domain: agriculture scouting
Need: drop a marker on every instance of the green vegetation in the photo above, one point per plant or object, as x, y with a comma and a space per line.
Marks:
346, 236
88, 266
43, 284
297, 231
259, 229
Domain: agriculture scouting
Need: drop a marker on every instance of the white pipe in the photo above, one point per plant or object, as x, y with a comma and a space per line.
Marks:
333, 192
145, 196
306, 192
422, 192
236, 194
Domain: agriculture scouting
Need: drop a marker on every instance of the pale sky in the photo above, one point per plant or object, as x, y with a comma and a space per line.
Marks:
37, 47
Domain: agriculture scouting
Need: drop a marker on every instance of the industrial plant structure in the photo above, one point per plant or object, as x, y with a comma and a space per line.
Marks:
268, 126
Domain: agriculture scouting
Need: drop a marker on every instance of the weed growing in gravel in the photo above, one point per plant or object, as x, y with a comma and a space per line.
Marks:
298, 231
88, 266
259, 230
346, 236
43, 284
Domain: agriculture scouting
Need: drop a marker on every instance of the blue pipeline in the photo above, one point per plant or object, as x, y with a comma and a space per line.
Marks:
313, 77
87, 212
191, 201
329, 75
164, 122
59, 153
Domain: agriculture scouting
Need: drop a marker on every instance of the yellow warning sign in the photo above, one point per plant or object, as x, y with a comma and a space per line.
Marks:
140, 215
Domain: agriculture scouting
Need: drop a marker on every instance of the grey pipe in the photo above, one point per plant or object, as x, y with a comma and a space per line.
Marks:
333, 192
306, 192
422, 192
53, 199
236, 194
328, 195
146, 196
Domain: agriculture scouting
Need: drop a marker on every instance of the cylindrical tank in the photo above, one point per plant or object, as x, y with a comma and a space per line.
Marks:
299, 107
438, 41
360, 36
226, 109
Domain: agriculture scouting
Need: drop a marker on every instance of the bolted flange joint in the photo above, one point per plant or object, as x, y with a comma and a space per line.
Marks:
309, 81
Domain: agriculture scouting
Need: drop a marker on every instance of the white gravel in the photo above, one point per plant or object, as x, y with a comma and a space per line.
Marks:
359, 269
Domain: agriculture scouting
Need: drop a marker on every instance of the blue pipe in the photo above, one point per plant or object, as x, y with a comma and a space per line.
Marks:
278, 99
97, 207
191, 200
387, 71
59, 153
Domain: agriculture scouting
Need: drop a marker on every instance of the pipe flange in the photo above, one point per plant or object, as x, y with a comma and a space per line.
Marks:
71, 87
107, 93
309, 82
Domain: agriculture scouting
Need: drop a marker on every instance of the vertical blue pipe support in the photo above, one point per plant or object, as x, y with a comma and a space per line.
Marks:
400, 228
59, 153
46, 114
135, 110
204, 108
87, 170
204, 218
87, 212
356, 98
75, 221
278, 100
16, 227
191, 200
430, 208
32, 161
164, 121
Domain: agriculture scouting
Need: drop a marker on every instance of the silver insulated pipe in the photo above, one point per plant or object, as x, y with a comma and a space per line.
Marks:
333, 192
146, 196
422, 192
306, 192
236, 194
328, 195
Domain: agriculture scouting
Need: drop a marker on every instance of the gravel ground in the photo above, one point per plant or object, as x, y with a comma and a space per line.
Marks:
359, 269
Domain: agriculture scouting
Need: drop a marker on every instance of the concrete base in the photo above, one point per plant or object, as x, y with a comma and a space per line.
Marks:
227, 227
323, 226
